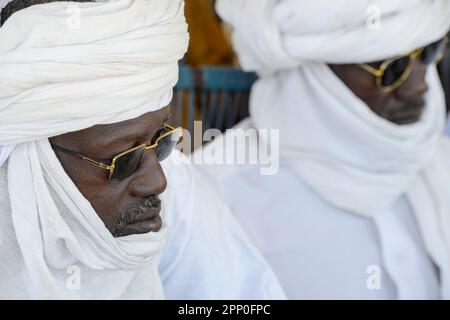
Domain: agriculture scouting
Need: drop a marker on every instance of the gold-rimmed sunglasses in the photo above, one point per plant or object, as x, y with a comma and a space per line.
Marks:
392, 73
126, 163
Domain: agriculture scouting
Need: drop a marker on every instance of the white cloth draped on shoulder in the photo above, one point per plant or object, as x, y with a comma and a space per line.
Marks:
352, 158
117, 62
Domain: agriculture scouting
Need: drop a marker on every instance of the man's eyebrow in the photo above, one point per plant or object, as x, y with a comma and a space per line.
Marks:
126, 129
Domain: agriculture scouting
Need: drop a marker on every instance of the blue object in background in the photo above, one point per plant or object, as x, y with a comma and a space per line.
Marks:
216, 95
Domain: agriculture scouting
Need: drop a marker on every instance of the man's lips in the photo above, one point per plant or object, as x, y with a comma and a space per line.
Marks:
150, 215
143, 218
406, 117
407, 120
408, 114
144, 226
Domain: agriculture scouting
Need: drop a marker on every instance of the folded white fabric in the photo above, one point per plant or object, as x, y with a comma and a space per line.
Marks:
118, 61
117, 64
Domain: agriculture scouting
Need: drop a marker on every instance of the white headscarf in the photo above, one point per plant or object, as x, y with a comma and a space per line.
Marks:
351, 157
65, 67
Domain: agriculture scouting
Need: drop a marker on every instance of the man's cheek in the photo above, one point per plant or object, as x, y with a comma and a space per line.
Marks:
106, 207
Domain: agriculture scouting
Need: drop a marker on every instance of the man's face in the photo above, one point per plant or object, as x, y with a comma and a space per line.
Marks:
129, 206
403, 105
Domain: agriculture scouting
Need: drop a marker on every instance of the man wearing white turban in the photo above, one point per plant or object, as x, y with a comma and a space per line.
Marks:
84, 208
360, 205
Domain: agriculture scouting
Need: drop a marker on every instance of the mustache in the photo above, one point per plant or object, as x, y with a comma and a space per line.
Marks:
146, 208
408, 106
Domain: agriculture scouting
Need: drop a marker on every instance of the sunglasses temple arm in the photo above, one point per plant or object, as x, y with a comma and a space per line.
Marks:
80, 156
375, 72
70, 152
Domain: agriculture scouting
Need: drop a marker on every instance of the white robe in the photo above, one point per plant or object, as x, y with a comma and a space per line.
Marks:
319, 251
207, 255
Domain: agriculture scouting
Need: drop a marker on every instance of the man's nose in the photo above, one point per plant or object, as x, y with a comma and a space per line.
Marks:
149, 179
415, 85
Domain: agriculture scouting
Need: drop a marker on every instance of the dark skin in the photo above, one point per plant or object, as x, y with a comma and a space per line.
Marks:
403, 105
130, 206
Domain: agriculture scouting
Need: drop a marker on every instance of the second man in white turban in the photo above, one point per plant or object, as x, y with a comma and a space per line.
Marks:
359, 207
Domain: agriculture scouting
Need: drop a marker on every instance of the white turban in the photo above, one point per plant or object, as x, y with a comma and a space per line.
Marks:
352, 158
272, 35
66, 66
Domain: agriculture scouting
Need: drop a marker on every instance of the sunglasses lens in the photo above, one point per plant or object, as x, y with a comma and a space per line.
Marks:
167, 144
433, 52
127, 164
394, 71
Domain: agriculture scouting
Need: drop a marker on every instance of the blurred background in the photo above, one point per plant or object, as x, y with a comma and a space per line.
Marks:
212, 88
